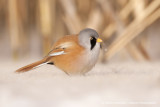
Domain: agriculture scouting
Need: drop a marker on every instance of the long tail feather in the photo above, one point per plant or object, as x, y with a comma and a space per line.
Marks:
31, 66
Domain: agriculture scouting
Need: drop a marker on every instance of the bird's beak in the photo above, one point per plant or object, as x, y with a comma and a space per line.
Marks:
99, 40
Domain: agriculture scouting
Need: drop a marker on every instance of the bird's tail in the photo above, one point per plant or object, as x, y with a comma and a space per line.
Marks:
32, 66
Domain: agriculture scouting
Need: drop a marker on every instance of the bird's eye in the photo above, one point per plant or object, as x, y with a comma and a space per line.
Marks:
91, 38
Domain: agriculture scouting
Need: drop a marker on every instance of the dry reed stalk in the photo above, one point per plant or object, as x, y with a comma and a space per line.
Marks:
132, 48
14, 27
108, 31
134, 51
2, 2
122, 3
132, 31
84, 7
59, 26
95, 19
80, 14
139, 6
120, 28
142, 47
138, 52
46, 23
116, 25
71, 17
128, 5
23, 25
69, 23
107, 9
124, 13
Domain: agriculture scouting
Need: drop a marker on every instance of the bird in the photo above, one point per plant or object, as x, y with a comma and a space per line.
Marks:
74, 54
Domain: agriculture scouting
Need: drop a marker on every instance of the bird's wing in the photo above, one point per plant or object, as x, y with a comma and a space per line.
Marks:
60, 49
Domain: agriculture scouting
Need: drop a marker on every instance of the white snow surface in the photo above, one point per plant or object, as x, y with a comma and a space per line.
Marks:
129, 84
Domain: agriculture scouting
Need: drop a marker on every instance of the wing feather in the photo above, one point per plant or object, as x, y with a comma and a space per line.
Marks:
60, 49
57, 53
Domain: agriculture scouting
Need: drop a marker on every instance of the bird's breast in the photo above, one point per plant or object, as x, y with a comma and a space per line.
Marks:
77, 62
91, 58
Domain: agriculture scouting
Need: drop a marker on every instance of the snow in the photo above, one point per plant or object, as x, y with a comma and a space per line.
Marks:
127, 84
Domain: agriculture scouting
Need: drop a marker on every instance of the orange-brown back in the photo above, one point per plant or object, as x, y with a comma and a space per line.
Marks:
67, 62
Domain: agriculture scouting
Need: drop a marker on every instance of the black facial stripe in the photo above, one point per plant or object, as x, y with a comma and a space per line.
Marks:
93, 42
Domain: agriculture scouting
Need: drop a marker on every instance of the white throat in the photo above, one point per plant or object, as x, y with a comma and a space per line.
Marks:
91, 57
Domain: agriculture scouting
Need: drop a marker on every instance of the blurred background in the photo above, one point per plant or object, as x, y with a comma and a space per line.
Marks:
129, 28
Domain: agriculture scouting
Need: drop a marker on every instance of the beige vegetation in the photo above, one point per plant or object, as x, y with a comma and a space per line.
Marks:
119, 23
127, 74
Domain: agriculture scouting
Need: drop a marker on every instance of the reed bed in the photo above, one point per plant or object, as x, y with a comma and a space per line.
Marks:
120, 23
